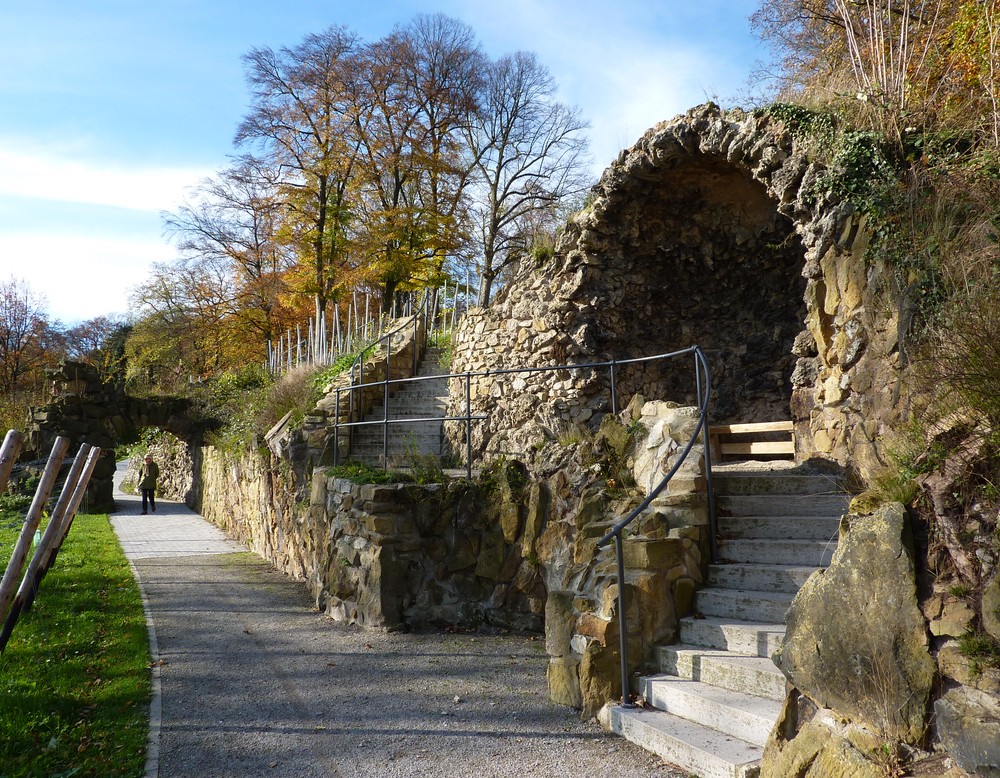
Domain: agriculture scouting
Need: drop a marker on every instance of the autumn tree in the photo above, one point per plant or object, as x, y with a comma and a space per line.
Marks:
974, 51
530, 155
185, 326
300, 122
356, 170
100, 342
900, 65
28, 343
235, 218
420, 87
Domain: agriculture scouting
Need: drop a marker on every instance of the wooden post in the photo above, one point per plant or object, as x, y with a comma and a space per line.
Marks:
8, 456
52, 540
13, 572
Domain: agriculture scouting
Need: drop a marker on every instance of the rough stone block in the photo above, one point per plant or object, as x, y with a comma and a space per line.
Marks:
560, 619
380, 523
968, 724
861, 650
562, 676
491, 556
647, 554
990, 607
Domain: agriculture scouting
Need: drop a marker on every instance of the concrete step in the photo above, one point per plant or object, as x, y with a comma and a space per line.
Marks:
755, 675
813, 553
414, 394
397, 432
766, 607
783, 505
702, 751
407, 411
733, 713
787, 527
740, 637
774, 483
762, 578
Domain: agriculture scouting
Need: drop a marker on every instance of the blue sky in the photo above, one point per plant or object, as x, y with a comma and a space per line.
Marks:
110, 109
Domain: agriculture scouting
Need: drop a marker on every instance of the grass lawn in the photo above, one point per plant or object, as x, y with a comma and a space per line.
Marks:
74, 678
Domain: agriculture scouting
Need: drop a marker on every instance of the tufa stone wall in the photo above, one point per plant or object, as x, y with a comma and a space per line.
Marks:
707, 231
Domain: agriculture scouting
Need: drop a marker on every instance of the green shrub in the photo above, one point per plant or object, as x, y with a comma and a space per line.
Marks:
360, 473
980, 649
966, 350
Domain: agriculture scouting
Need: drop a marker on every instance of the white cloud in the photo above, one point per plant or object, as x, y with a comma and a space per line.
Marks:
81, 276
28, 171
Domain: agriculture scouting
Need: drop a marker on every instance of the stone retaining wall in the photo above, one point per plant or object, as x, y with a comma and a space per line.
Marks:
516, 549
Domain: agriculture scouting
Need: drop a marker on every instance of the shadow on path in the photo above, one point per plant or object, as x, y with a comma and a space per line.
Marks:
255, 682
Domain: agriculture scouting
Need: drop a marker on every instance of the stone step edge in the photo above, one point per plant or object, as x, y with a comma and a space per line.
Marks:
728, 669
691, 746
737, 714
758, 572
747, 628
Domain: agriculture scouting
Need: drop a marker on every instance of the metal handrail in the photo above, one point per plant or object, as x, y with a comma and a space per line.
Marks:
359, 363
616, 531
469, 375
703, 388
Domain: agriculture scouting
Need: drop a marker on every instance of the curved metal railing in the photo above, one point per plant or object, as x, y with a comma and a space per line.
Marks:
704, 387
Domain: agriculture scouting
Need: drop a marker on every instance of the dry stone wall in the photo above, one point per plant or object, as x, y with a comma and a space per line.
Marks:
513, 549
707, 231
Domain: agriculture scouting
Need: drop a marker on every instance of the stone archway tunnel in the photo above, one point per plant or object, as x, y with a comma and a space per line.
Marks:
710, 230
85, 409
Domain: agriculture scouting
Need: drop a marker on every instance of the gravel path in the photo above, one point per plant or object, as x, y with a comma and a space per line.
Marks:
255, 682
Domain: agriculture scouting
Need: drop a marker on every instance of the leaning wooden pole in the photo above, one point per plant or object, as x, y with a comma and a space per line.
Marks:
63, 511
13, 572
8, 456
38, 565
78, 493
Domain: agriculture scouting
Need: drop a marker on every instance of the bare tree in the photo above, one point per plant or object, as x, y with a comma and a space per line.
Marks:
29, 342
531, 155
100, 342
888, 43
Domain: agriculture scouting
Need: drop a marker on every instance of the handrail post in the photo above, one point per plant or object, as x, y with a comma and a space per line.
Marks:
416, 316
385, 402
468, 425
336, 428
622, 623
361, 383
713, 521
614, 391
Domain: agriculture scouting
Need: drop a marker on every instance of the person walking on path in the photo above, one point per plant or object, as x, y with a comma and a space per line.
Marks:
148, 473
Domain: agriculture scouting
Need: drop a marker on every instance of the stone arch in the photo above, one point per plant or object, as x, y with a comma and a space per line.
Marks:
85, 409
699, 254
709, 230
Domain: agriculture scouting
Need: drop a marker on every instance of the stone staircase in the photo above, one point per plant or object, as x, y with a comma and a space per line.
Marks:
718, 694
412, 400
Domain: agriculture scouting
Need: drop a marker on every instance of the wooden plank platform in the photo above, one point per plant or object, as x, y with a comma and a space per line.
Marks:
752, 439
